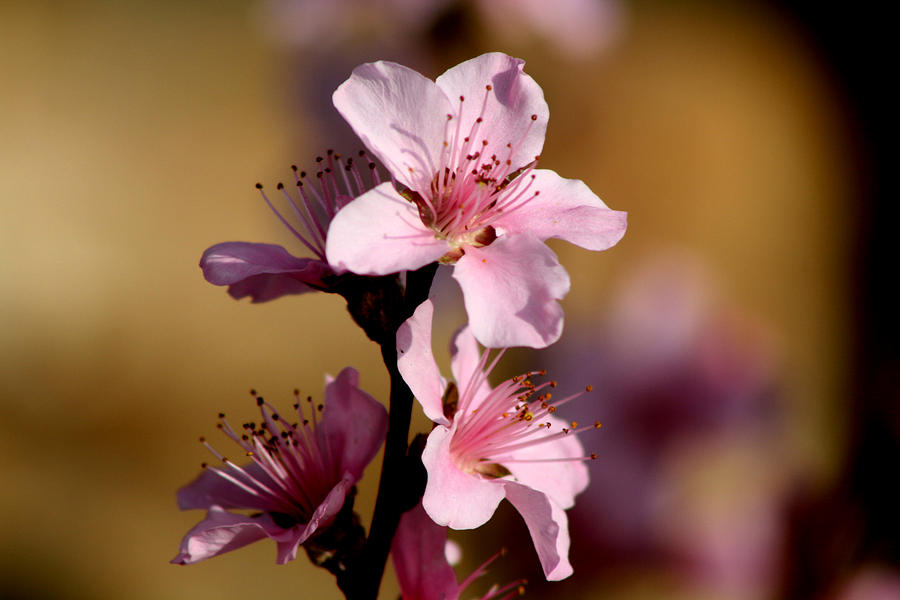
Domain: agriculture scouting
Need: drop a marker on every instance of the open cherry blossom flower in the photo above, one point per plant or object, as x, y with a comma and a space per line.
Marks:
423, 571
266, 271
493, 443
298, 479
462, 151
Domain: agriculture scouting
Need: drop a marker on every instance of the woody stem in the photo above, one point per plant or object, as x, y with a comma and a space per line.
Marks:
397, 490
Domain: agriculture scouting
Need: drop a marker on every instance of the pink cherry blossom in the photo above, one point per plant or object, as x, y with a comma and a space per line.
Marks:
266, 271
493, 443
419, 557
462, 151
298, 479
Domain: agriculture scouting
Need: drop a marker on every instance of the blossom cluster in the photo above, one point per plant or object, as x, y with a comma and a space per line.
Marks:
464, 191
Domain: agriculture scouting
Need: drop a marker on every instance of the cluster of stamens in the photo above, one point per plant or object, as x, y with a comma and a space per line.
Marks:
297, 465
511, 417
470, 189
336, 183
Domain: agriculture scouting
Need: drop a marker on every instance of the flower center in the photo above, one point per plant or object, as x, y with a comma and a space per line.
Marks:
494, 427
292, 469
471, 190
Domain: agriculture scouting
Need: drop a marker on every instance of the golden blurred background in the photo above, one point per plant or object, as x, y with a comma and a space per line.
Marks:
131, 134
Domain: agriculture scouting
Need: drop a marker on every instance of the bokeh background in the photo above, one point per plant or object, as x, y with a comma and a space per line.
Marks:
740, 339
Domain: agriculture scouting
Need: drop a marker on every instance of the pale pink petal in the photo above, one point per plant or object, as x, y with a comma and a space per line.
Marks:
219, 533
452, 497
464, 362
464, 355
353, 422
261, 271
415, 361
380, 233
561, 481
548, 526
507, 117
210, 488
510, 290
400, 116
419, 561
289, 540
565, 209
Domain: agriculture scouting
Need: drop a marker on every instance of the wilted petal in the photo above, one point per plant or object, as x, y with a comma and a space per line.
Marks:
353, 421
548, 526
511, 290
452, 497
416, 363
261, 271
380, 233
566, 209
289, 540
218, 533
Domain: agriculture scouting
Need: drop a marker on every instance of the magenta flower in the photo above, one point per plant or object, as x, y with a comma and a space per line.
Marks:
423, 571
298, 479
463, 150
491, 444
266, 271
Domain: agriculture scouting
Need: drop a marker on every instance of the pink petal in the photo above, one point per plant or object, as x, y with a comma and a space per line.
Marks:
211, 489
400, 116
548, 526
452, 497
465, 361
353, 422
261, 271
219, 533
415, 361
566, 209
289, 540
510, 290
380, 233
419, 561
515, 97
561, 481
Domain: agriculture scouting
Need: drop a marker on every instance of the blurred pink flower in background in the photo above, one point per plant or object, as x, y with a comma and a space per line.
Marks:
688, 471
574, 28
464, 150
299, 478
266, 271
329, 24
493, 443
419, 553
872, 584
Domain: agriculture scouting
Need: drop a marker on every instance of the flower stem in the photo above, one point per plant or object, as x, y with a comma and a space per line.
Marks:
397, 491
